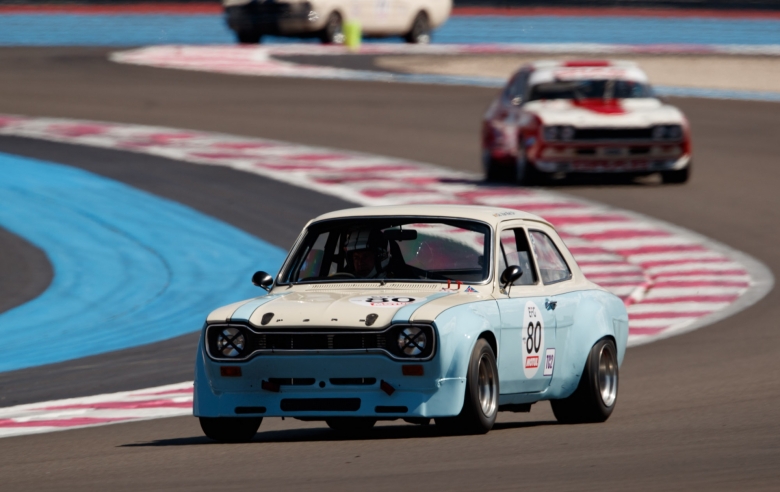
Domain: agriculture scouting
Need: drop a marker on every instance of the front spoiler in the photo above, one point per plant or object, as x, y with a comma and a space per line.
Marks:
612, 166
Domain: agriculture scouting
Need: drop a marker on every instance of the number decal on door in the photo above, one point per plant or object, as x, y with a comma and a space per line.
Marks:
533, 339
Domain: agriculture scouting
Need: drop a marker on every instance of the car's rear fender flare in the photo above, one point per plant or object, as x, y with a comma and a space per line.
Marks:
596, 317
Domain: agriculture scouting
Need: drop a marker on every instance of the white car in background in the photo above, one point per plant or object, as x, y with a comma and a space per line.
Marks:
324, 19
555, 118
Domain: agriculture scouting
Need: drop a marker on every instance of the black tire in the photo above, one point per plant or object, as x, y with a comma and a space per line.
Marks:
480, 405
248, 37
230, 429
333, 32
420, 33
351, 424
495, 172
676, 177
600, 377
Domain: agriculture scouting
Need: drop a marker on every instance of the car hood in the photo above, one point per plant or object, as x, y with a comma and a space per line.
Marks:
597, 113
347, 308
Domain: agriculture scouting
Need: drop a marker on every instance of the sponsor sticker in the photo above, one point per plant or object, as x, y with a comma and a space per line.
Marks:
549, 361
533, 338
471, 290
385, 301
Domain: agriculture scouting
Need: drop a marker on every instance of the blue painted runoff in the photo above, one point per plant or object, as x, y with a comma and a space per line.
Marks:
149, 29
130, 268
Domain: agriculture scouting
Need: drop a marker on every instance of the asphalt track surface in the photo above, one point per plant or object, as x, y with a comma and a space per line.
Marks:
695, 411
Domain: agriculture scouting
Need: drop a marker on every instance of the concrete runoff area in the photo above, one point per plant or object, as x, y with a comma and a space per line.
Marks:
694, 411
736, 72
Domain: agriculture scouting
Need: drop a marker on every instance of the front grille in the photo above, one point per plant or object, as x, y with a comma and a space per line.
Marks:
352, 381
249, 410
613, 134
390, 409
320, 404
317, 341
291, 381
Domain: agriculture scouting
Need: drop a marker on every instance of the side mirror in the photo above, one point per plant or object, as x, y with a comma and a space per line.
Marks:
263, 280
511, 274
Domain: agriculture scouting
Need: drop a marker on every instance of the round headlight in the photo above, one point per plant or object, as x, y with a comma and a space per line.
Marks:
567, 133
659, 132
231, 342
412, 341
550, 133
673, 132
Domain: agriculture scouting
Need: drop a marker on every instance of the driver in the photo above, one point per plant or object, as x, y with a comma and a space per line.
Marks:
367, 253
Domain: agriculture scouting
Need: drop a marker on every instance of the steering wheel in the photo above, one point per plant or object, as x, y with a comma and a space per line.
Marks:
341, 275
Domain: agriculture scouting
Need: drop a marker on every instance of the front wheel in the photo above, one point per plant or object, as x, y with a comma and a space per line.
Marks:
596, 395
230, 429
333, 32
480, 406
676, 177
420, 33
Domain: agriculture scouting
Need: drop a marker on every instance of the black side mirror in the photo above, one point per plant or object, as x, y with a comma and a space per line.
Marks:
511, 274
263, 280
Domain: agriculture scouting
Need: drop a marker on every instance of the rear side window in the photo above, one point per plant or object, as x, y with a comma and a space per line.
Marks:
552, 267
516, 252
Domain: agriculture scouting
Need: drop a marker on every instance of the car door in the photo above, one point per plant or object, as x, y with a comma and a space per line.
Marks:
527, 323
555, 275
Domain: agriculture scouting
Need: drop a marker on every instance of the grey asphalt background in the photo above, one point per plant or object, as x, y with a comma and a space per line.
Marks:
698, 411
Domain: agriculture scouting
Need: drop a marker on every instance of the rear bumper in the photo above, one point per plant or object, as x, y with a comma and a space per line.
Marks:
413, 396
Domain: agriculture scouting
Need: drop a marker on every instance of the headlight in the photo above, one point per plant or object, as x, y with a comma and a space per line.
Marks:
667, 132
567, 133
412, 341
231, 342
550, 133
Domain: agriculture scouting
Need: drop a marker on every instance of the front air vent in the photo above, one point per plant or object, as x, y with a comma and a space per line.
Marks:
291, 381
352, 381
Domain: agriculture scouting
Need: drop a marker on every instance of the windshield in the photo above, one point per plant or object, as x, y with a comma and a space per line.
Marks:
590, 89
397, 249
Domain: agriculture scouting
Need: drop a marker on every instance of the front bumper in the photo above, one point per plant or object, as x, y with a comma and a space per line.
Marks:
429, 395
612, 165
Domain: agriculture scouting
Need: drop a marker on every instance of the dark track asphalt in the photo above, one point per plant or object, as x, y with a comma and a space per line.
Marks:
696, 411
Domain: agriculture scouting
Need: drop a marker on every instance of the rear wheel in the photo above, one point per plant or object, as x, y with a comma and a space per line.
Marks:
333, 32
480, 405
676, 177
420, 33
596, 395
350, 424
230, 429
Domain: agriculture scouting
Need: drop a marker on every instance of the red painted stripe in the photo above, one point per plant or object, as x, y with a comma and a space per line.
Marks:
651, 264
6, 423
699, 283
645, 331
624, 234
614, 12
564, 220
669, 300
667, 314
694, 273
168, 392
643, 250
119, 405
139, 8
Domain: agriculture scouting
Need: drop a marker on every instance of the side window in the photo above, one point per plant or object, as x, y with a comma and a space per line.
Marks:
515, 251
552, 267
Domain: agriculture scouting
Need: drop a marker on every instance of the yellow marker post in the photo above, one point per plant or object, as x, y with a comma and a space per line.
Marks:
352, 35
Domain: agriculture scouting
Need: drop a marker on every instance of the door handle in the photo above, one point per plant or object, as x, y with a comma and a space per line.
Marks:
550, 305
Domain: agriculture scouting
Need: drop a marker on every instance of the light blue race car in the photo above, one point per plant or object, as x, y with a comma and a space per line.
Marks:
443, 312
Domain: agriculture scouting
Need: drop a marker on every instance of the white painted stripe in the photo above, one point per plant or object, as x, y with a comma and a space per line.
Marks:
693, 266
672, 292
677, 255
677, 307
627, 244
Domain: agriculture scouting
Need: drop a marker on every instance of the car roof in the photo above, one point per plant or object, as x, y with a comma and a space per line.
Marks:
551, 70
491, 215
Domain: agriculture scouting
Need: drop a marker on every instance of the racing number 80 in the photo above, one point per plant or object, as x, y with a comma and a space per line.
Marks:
533, 341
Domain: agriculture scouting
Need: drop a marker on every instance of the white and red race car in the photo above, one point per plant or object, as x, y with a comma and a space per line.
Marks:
554, 118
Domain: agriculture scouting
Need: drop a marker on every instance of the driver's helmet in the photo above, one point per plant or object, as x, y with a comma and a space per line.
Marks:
371, 239
368, 239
